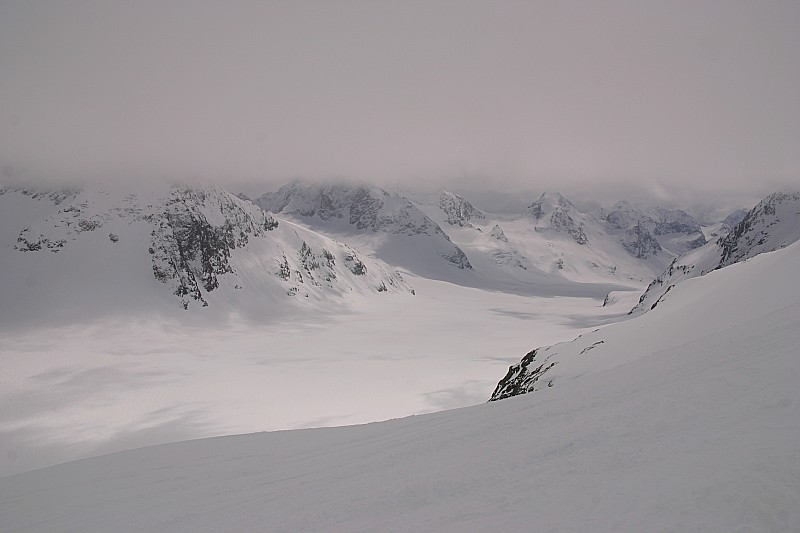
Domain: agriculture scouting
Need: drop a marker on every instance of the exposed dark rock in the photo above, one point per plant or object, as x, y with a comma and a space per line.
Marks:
521, 377
354, 264
190, 252
458, 210
754, 230
640, 243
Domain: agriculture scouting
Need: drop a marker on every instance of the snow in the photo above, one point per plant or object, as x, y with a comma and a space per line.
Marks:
684, 419
81, 389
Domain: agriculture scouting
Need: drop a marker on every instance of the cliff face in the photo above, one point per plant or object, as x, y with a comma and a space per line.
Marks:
773, 223
458, 210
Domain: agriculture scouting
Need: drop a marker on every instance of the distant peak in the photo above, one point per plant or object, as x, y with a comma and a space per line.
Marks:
459, 211
556, 199
547, 203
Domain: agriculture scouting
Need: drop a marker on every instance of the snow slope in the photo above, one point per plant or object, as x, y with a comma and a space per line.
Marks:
683, 419
97, 384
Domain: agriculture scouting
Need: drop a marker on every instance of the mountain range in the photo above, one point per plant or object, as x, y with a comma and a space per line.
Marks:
202, 246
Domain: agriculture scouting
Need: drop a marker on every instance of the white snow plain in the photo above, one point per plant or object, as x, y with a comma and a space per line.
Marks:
689, 424
75, 390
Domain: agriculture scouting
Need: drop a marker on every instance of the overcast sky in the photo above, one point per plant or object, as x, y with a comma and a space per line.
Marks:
671, 96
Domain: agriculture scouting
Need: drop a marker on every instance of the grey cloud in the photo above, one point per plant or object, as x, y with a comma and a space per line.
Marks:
699, 95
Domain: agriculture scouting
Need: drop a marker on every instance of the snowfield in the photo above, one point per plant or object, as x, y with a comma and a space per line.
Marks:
72, 391
98, 355
688, 424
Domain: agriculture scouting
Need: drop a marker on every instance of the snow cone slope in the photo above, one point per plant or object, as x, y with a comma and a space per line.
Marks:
683, 419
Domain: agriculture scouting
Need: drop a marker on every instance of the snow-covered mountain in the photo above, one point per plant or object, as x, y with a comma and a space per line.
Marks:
553, 212
192, 246
552, 241
646, 233
389, 224
773, 223
458, 210
683, 419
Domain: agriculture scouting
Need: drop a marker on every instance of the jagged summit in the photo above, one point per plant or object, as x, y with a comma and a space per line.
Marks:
547, 204
458, 210
552, 211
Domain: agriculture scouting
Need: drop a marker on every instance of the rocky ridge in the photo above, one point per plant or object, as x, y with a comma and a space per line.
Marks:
772, 224
458, 210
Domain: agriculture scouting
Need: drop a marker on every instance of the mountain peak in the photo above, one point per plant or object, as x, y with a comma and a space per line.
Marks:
558, 211
458, 210
548, 203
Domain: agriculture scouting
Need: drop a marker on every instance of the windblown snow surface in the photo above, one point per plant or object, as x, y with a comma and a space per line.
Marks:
684, 419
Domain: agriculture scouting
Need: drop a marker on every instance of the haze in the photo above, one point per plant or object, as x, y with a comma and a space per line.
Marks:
678, 96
